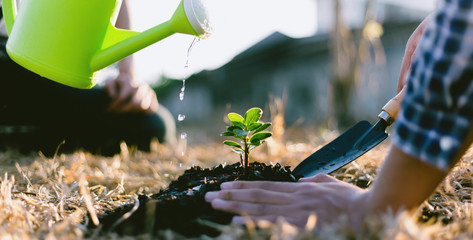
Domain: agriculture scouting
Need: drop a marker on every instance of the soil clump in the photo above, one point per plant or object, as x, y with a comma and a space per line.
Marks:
182, 208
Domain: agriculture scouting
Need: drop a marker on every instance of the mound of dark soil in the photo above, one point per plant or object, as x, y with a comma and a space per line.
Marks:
182, 207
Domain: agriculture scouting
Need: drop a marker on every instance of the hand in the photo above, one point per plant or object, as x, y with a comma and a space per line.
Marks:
322, 195
410, 52
128, 96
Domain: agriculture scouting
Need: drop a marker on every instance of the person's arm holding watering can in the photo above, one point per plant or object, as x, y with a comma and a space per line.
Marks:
127, 94
431, 133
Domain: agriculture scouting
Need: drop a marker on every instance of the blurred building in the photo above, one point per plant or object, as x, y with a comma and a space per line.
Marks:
301, 68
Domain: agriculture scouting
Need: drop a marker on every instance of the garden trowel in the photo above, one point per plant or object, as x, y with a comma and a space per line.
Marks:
353, 143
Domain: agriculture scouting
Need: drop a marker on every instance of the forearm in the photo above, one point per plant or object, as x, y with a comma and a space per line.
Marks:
403, 182
126, 66
124, 22
409, 53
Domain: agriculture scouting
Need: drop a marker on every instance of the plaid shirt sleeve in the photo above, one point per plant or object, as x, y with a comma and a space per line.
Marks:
437, 110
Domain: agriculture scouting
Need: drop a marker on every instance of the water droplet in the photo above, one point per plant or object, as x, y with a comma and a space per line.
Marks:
183, 88
181, 117
183, 143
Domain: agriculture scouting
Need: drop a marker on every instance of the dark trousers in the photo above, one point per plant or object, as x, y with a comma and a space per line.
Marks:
38, 114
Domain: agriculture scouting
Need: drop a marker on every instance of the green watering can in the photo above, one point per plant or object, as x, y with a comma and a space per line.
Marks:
69, 40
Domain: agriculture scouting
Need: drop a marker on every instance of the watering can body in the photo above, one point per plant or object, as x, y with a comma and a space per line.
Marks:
68, 41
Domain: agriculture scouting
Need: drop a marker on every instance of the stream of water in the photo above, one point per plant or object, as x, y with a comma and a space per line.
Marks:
182, 116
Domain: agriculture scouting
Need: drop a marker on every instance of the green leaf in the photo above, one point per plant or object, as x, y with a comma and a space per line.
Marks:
253, 115
259, 136
242, 138
231, 128
256, 143
240, 133
227, 134
254, 126
232, 144
235, 117
239, 125
262, 127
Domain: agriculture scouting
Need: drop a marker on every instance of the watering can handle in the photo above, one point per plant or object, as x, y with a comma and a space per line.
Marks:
121, 43
9, 13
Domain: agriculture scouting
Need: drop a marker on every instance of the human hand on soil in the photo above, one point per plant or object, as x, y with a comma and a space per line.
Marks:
128, 96
410, 52
322, 195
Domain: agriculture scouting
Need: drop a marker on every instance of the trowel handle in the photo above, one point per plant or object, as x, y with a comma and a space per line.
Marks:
391, 108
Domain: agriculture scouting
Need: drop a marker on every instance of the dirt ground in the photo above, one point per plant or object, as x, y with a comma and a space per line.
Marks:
49, 198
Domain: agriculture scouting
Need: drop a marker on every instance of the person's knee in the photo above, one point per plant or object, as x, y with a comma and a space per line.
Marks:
160, 125
167, 122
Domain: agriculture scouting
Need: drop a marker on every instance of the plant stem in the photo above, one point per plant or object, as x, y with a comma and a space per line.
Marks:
246, 160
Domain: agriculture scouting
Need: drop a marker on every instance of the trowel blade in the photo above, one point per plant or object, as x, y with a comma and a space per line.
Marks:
341, 151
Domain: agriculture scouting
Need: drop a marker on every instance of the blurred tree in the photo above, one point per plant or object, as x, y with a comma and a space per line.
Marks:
349, 52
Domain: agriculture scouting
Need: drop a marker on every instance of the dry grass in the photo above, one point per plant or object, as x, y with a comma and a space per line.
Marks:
47, 198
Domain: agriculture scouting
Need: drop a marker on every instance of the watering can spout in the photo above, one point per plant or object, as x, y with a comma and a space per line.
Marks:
120, 43
189, 18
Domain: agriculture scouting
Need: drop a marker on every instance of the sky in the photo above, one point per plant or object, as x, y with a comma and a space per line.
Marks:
236, 24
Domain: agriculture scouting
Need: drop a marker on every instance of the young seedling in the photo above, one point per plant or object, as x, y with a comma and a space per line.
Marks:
248, 130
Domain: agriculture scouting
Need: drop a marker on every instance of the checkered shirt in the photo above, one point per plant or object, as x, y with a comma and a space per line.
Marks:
437, 110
